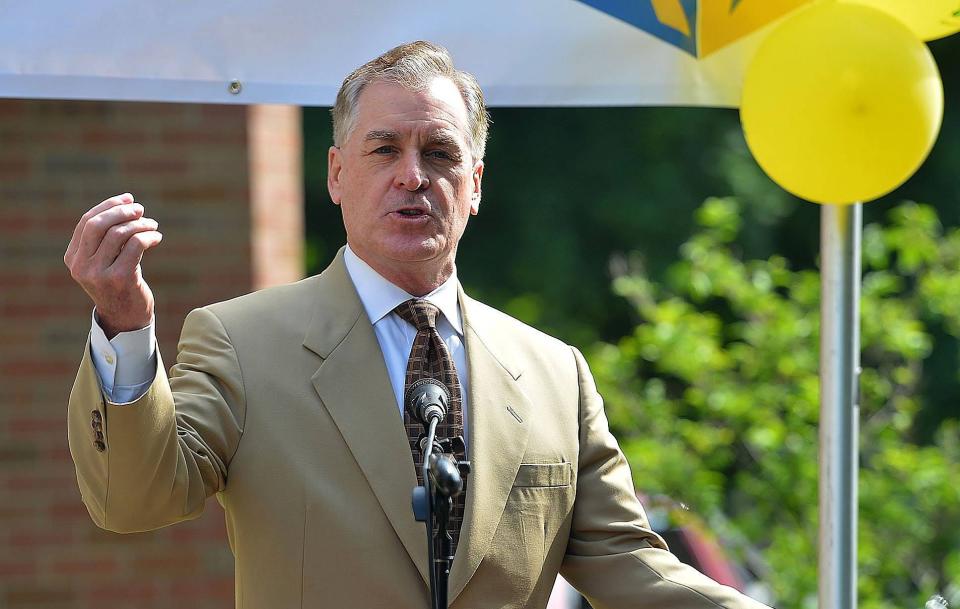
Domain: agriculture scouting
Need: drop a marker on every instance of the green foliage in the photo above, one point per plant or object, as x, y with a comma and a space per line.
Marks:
715, 398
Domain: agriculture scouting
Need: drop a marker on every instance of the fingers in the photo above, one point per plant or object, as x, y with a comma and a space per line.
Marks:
117, 236
97, 226
101, 237
74, 245
104, 255
132, 251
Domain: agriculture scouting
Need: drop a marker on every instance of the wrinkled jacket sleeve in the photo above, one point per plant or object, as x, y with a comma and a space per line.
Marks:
613, 557
163, 454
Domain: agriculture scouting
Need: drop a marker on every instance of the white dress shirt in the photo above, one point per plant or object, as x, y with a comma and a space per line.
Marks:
380, 298
126, 363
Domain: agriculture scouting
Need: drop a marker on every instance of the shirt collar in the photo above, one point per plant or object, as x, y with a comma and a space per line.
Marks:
379, 297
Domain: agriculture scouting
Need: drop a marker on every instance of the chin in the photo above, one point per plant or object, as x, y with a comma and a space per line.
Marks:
422, 255
420, 251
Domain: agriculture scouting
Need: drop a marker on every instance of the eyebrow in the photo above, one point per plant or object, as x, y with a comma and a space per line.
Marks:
442, 139
389, 136
439, 138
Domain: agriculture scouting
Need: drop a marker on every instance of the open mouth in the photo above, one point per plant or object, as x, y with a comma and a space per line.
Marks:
412, 213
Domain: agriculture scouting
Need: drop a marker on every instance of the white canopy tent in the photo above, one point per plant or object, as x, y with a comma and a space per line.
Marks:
529, 53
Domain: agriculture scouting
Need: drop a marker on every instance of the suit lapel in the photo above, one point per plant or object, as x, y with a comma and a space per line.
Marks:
354, 386
499, 415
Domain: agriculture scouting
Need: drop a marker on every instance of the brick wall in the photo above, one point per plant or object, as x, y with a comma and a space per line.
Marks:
224, 183
275, 142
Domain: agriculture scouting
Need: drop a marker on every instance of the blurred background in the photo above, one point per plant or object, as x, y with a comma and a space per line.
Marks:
648, 237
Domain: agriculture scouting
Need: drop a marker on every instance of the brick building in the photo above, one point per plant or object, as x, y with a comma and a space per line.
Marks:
225, 184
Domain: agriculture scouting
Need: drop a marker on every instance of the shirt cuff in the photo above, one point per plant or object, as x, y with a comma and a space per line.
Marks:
126, 364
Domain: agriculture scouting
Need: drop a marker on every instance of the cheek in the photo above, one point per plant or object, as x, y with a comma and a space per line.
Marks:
458, 192
356, 180
354, 217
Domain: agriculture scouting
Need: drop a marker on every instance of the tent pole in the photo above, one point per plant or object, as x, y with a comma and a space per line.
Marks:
840, 236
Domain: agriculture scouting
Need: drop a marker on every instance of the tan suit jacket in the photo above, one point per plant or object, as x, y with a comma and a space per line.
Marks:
280, 405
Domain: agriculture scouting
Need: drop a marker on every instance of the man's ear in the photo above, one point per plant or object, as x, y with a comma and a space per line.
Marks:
475, 195
334, 166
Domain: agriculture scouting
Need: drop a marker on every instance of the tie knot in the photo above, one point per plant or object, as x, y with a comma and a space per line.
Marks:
418, 312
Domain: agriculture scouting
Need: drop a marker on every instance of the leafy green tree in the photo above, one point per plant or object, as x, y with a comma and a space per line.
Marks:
715, 398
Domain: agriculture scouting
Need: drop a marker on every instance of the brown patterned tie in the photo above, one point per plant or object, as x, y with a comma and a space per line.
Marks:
429, 358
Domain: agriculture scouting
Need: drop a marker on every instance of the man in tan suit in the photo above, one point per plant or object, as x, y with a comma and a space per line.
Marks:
284, 403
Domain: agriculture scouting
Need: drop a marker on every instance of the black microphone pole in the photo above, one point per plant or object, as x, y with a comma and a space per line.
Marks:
447, 483
427, 400
442, 476
436, 602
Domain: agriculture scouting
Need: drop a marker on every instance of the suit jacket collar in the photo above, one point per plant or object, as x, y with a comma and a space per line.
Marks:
337, 309
354, 387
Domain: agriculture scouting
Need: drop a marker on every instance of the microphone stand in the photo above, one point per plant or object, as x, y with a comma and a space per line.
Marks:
443, 480
423, 509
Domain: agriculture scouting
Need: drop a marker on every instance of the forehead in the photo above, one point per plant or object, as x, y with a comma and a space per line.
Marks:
389, 106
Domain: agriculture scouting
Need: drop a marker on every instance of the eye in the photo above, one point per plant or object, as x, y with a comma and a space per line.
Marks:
383, 150
440, 154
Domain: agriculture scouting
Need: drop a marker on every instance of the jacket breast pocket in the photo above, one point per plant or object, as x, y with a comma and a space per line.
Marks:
544, 475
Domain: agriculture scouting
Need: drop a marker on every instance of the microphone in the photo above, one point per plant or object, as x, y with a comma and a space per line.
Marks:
426, 399
446, 474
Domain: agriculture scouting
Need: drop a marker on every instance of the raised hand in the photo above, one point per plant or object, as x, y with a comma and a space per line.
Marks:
104, 258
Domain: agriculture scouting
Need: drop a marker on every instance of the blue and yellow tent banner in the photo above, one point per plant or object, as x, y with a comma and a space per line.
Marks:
526, 53
699, 27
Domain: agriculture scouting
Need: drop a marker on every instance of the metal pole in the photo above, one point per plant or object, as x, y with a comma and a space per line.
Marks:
840, 230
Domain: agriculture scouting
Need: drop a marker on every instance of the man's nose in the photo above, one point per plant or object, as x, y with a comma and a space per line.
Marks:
411, 174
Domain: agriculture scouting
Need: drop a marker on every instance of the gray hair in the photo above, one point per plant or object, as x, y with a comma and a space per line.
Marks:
413, 65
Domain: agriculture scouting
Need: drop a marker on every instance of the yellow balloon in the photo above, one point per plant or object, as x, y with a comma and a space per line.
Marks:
841, 103
929, 19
